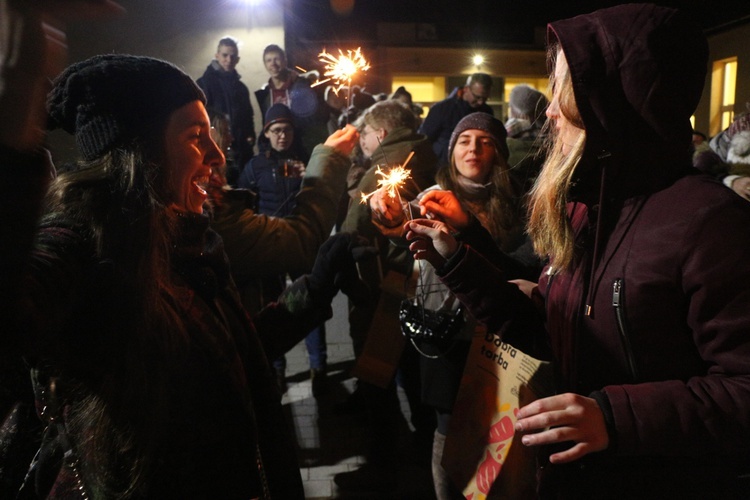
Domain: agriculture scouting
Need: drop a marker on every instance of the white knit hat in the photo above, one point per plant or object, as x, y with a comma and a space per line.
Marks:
739, 148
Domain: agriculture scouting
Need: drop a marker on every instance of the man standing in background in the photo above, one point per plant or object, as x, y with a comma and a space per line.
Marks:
444, 115
293, 89
226, 93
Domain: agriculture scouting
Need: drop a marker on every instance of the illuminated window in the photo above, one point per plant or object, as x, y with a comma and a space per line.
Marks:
424, 90
723, 84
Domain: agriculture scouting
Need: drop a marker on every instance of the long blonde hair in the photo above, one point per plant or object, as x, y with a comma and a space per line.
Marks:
549, 226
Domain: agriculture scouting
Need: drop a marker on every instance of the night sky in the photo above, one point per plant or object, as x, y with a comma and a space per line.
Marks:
492, 21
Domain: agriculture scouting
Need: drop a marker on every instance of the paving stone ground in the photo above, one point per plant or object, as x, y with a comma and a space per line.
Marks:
329, 443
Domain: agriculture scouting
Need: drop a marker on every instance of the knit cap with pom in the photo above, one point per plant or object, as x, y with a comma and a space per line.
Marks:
740, 123
112, 100
739, 148
486, 123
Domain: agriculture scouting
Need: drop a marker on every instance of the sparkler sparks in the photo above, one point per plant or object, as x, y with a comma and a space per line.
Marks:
390, 182
393, 180
342, 69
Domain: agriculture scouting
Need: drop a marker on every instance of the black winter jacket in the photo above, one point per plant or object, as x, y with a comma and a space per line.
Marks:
227, 94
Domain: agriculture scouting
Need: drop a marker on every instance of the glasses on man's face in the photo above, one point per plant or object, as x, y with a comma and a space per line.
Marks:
366, 131
279, 131
478, 98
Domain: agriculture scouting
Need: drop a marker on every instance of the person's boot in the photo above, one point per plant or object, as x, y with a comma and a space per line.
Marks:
281, 380
444, 489
368, 478
319, 380
354, 404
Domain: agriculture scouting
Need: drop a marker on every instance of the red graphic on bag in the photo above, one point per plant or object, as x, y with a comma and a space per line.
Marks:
487, 472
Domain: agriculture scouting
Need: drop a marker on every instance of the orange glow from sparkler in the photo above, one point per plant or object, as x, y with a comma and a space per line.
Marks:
390, 182
342, 69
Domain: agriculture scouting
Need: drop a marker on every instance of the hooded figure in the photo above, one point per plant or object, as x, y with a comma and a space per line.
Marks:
643, 320
648, 329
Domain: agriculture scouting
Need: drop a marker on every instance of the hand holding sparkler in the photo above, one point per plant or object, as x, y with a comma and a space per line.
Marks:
389, 205
386, 209
392, 180
343, 140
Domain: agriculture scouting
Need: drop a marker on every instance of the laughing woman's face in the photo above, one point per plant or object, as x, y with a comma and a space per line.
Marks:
191, 154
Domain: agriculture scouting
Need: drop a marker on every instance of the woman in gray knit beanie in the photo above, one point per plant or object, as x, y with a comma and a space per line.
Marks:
480, 181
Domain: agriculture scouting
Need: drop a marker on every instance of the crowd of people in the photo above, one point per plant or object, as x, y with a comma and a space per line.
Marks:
147, 307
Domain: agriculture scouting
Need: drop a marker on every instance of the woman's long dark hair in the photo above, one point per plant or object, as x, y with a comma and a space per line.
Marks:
116, 419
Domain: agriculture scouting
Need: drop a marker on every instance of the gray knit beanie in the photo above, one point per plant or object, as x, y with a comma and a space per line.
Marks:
486, 123
527, 102
110, 100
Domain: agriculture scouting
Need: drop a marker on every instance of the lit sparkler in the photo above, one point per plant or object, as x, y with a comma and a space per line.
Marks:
342, 69
391, 181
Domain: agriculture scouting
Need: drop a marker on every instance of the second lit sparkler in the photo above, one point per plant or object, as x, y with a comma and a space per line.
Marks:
391, 181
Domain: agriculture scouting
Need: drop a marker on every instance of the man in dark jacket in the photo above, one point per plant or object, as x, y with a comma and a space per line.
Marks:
444, 115
227, 94
275, 175
293, 89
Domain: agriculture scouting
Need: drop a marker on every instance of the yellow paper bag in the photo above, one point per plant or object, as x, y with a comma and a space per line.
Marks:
480, 455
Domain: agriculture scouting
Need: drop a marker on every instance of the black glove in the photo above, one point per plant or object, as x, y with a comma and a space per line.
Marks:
335, 268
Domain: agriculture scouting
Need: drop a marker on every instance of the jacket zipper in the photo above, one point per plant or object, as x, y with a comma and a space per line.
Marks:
618, 302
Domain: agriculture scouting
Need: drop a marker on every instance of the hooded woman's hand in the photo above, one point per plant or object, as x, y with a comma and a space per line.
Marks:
741, 186
431, 240
564, 418
445, 206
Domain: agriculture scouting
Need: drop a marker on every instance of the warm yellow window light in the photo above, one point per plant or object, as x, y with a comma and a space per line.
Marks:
723, 90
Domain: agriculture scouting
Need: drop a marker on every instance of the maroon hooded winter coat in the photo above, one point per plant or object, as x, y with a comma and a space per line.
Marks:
663, 268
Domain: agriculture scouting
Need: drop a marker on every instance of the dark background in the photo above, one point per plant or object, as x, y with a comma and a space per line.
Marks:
490, 22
